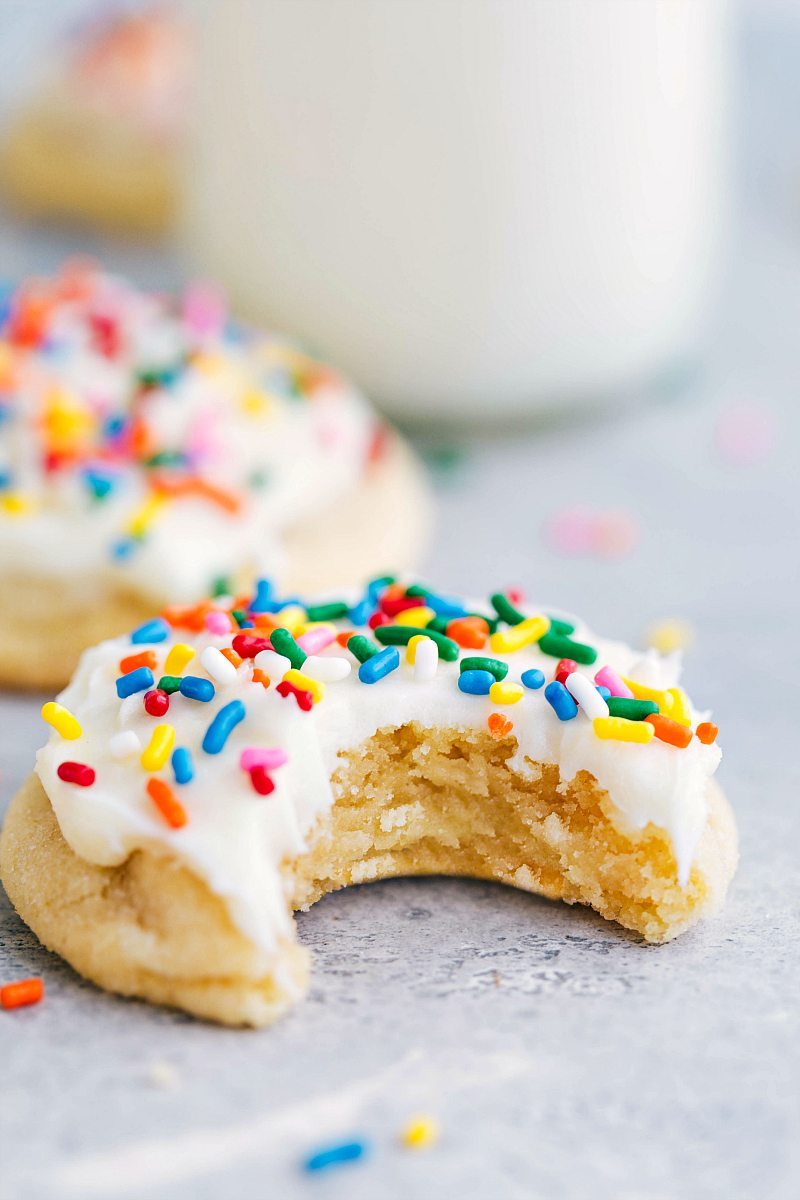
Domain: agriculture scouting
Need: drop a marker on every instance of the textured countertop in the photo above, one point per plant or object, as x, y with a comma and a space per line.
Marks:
562, 1057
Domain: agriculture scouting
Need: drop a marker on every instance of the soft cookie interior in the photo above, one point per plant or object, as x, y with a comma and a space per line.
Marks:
409, 801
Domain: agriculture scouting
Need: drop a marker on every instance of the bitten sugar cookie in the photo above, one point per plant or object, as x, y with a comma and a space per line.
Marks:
227, 763
152, 451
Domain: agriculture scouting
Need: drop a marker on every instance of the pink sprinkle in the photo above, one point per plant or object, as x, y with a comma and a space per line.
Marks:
218, 622
610, 679
316, 639
204, 310
602, 534
259, 756
746, 433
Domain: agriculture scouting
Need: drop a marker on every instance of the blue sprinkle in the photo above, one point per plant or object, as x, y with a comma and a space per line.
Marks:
382, 663
360, 613
330, 1156
156, 630
262, 600
5, 478
114, 427
99, 485
560, 700
375, 589
444, 606
123, 549
220, 728
476, 683
182, 765
604, 691
196, 688
533, 679
135, 681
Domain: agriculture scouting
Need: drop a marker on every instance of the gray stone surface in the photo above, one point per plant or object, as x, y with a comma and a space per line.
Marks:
562, 1057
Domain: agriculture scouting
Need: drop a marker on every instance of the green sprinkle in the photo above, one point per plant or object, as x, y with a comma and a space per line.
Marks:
284, 643
558, 646
360, 647
328, 612
418, 591
565, 628
633, 710
505, 609
239, 616
169, 683
401, 635
438, 624
493, 665
222, 586
257, 480
165, 458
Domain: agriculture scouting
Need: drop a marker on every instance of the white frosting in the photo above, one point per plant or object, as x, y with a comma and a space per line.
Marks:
235, 411
235, 839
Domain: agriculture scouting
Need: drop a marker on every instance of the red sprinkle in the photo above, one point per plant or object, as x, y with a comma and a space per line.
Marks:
167, 803
565, 668
304, 699
24, 991
248, 645
707, 732
75, 772
377, 619
262, 781
156, 702
392, 605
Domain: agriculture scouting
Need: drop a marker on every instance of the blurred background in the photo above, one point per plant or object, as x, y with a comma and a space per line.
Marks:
558, 243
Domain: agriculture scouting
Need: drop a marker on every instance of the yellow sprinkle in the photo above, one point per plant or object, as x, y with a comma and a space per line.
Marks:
420, 1132
506, 641
144, 516
292, 618
159, 748
623, 730
669, 635
503, 692
663, 699
178, 657
15, 504
307, 625
411, 648
62, 720
680, 711
421, 616
256, 403
305, 683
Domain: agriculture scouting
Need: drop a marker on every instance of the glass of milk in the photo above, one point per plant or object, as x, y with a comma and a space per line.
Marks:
478, 208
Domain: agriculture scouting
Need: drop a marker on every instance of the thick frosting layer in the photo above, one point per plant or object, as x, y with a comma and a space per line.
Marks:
233, 837
154, 445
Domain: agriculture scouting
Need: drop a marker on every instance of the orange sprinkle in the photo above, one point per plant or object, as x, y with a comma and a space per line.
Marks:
264, 621
231, 656
24, 991
670, 731
167, 803
147, 658
261, 677
707, 732
470, 632
192, 617
499, 726
195, 486
344, 637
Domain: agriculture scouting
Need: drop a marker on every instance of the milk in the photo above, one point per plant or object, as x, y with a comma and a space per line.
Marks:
476, 207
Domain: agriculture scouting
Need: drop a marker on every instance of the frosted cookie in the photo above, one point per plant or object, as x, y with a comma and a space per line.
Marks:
101, 139
228, 763
152, 451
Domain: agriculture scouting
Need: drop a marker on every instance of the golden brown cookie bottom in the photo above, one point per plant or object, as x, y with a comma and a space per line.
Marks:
383, 524
409, 801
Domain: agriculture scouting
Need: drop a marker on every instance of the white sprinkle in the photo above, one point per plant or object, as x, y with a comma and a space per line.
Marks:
581, 688
124, 744
217, 665
326, 670
272, 664
426, 660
